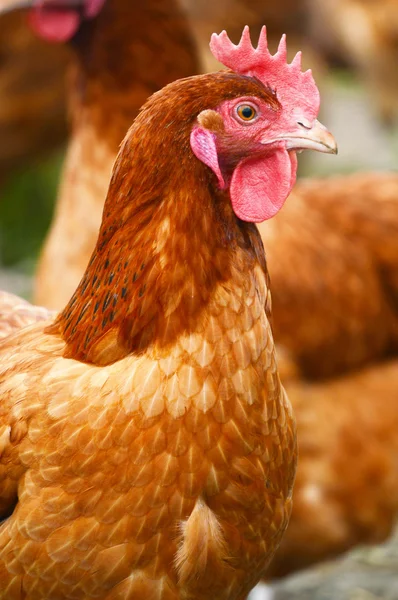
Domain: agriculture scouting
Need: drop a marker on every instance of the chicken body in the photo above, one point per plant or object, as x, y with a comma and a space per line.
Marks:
346, 489
145, 477
125, 54
332, 307
332, 255
148, 447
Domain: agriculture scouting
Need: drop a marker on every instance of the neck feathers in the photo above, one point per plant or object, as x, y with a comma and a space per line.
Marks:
168, 238
152, 273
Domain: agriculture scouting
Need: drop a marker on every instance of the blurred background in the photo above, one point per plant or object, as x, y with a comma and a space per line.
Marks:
352, 47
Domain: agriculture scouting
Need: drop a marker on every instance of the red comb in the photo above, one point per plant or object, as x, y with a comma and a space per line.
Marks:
294, 88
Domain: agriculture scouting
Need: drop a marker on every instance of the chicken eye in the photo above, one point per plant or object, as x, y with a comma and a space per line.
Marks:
246, 112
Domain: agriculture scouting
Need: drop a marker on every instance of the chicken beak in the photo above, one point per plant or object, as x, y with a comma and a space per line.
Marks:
312, 136
10, 5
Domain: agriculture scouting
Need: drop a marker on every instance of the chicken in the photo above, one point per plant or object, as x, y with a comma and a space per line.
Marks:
122, 56
32, 106
346, 489
16, 313
148, 447
332, 255
371, 47
355, 327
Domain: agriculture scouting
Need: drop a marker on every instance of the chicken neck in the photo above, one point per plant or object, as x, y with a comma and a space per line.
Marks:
168, 238
124, 55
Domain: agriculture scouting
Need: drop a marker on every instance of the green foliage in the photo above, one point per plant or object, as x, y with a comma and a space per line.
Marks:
26, 206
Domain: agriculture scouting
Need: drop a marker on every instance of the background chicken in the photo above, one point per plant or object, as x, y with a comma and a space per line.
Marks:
122, 56
346, 489
148, 447
332, 254
32, 95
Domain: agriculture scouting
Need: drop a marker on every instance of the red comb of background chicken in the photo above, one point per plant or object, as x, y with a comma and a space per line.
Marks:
294, 87
59, 20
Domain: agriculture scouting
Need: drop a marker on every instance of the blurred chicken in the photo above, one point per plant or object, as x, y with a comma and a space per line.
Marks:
122, 56
148, 447
346, 489
32, 94
16, 313
332, 255
366, 31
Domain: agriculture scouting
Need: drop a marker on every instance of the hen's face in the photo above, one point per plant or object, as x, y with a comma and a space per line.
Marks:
260, 126
251, 146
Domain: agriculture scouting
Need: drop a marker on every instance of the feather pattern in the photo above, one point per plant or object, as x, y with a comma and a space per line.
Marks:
148, 447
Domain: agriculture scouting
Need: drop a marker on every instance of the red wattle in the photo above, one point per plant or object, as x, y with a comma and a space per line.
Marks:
260, 186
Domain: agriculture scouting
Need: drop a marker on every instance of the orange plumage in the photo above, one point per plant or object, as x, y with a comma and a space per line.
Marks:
333, 294
328, 234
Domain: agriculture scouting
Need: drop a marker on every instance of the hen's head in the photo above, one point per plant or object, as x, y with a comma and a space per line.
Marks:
250, 141
56, 20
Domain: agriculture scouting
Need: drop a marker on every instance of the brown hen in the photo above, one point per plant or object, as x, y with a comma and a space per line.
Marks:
333, 309
336, 285
147, 445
